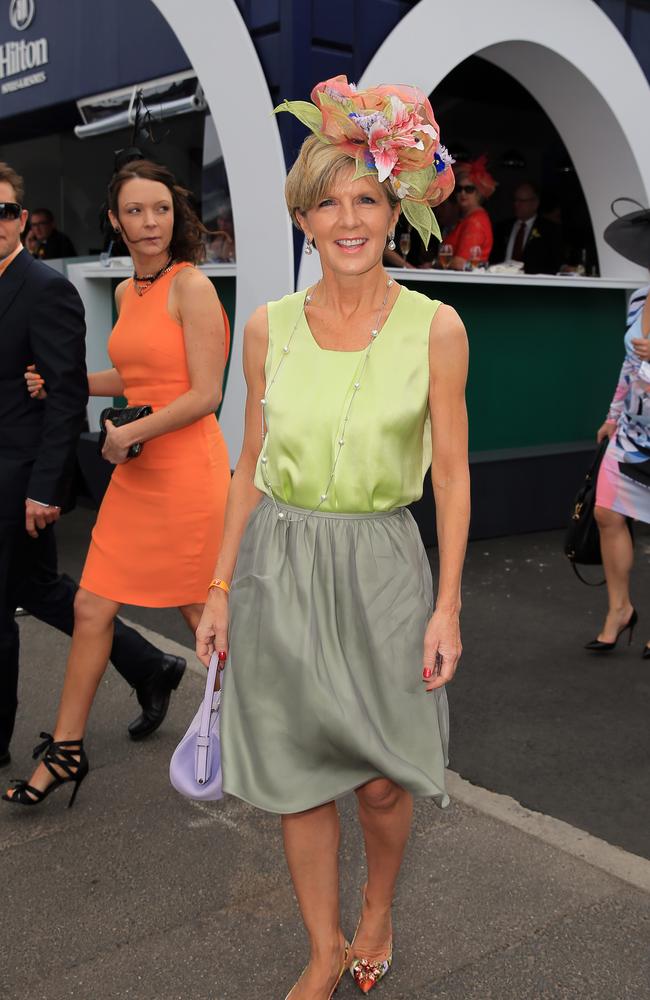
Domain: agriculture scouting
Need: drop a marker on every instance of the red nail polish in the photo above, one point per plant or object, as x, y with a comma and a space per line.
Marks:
426, 673
221, 654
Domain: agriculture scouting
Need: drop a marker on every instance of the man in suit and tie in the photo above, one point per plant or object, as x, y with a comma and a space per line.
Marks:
42, 322
528, 237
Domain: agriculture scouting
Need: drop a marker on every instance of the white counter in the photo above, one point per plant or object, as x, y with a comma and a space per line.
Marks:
480, 277
121, 267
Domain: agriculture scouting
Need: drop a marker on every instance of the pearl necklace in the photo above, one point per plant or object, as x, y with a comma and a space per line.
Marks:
356, 386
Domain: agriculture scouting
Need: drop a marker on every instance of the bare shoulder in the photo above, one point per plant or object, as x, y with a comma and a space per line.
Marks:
119, 292
190, 281
448, 346
256, 337
446, 327
257, 327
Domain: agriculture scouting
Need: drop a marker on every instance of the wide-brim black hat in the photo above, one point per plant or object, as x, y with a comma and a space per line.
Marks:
629, 234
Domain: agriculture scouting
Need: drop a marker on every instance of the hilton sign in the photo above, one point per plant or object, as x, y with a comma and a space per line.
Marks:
19, 57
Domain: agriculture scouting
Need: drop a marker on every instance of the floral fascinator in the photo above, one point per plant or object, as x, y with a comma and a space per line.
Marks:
391, 133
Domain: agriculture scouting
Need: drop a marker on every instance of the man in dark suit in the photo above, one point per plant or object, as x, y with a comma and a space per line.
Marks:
528, 237
42, 322
48, 241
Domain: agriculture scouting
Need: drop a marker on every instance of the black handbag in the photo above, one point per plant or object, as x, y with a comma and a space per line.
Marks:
120, 415
582, 539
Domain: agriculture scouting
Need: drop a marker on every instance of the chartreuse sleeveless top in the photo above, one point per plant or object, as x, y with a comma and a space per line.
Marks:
387, 440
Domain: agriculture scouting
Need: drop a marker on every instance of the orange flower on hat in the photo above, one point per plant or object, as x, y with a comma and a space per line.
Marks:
389, 131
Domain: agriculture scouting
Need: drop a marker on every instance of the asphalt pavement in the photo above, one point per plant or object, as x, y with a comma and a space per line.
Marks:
137, 893
534, 715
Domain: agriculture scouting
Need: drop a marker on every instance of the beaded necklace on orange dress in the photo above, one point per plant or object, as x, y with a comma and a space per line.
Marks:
142, 283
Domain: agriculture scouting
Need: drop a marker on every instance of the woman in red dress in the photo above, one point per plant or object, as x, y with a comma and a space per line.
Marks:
474, 184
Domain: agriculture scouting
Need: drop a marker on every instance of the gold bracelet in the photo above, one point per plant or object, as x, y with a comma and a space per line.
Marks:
221, 584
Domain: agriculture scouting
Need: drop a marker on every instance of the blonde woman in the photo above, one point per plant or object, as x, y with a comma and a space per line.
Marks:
337, 655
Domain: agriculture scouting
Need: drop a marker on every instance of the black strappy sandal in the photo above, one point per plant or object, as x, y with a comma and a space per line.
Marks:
66, 755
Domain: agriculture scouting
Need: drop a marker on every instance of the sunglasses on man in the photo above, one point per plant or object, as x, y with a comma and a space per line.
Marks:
467, 188
10, 210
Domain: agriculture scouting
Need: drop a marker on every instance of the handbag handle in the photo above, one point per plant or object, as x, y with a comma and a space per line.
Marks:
208, 698
211, 700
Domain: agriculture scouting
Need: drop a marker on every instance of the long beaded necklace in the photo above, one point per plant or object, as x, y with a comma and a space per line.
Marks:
356, 385
143, 282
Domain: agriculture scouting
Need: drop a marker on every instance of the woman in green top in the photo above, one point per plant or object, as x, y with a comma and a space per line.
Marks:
337, 655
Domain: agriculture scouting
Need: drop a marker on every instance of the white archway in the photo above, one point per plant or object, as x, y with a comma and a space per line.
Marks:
217, 43
571, 58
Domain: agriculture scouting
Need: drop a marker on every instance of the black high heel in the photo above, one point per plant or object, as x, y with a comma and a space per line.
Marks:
596, 646
66, 755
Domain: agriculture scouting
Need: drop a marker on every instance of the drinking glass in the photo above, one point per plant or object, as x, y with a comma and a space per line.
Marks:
405, 244
445, 253
475, 255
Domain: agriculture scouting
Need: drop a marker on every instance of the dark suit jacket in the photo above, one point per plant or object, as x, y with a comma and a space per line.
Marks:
56, 245
41, 322
543, 249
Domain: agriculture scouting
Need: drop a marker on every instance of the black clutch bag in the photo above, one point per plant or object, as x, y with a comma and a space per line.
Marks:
120, 415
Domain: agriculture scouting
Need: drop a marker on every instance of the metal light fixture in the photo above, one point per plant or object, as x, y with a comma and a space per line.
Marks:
98, 122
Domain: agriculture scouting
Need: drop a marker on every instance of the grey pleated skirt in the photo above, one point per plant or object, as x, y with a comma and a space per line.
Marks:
323, 687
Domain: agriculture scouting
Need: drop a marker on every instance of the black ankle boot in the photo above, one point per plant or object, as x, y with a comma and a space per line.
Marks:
154, 696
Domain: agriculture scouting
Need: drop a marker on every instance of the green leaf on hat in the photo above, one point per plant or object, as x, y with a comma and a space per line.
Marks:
362, 169
305, 111
417, 180
422, 219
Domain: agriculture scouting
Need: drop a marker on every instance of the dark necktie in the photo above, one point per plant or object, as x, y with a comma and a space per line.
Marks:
518, 248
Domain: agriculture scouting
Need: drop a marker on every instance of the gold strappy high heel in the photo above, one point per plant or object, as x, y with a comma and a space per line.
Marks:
367, 972
346, 959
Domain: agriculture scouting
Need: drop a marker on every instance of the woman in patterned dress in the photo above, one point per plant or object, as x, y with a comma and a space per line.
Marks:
623, 491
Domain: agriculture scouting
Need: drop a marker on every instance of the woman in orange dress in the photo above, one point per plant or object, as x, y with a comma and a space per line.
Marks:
474, 184
159, 527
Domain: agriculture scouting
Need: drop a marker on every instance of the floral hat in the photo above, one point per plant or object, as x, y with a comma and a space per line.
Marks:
391, 133
479, 175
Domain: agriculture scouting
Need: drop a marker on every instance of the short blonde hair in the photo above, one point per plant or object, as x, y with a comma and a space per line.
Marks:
315, 172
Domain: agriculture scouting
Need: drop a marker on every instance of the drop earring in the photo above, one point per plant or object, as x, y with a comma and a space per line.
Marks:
308, 248
391, 245
117, 230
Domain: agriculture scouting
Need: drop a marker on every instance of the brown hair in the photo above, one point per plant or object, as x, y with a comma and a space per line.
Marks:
313, 174
9, 176
188, 232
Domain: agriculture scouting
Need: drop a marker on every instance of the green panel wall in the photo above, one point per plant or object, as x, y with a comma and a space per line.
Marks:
544, 361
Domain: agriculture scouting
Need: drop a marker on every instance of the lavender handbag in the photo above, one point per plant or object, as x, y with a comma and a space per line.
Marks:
195, 767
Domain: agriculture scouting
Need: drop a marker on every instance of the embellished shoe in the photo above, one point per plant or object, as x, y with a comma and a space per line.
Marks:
65, 760
346, 959
367, 972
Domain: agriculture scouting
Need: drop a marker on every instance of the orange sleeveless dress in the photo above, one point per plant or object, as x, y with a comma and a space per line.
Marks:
160, 524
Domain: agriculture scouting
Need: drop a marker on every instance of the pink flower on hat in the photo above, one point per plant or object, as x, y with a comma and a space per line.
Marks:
388, 130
